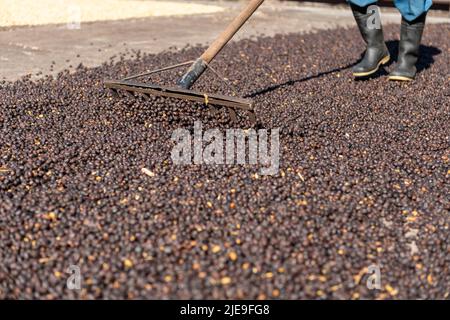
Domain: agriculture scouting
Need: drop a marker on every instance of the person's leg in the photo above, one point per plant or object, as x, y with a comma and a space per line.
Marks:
376, 53
413, 22
362, 3
412, 9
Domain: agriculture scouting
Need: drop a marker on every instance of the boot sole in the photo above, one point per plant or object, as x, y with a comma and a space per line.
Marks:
368, 73
400, 78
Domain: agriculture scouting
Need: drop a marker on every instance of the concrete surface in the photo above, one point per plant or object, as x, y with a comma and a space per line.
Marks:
32, 12
31, 50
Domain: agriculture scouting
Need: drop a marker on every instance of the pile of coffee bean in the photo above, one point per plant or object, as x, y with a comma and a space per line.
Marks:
89, 191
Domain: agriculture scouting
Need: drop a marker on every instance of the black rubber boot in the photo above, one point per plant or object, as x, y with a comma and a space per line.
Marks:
376, 53
408, 50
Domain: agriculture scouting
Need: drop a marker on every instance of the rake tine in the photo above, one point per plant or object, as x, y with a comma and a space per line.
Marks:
129, 94
146, 96
141, 95
213, 110
114, 93
252, 117
232, 114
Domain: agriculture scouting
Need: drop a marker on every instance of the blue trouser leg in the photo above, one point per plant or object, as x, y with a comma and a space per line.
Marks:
409, 9
412, 9
362, 3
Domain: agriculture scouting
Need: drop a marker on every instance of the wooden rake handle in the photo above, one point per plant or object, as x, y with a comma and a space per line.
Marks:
231, 30
199, 66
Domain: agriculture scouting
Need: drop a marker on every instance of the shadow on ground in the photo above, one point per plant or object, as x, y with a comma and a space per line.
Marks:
426, 59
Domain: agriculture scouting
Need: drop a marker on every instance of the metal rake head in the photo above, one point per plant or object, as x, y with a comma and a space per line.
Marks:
211, 100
